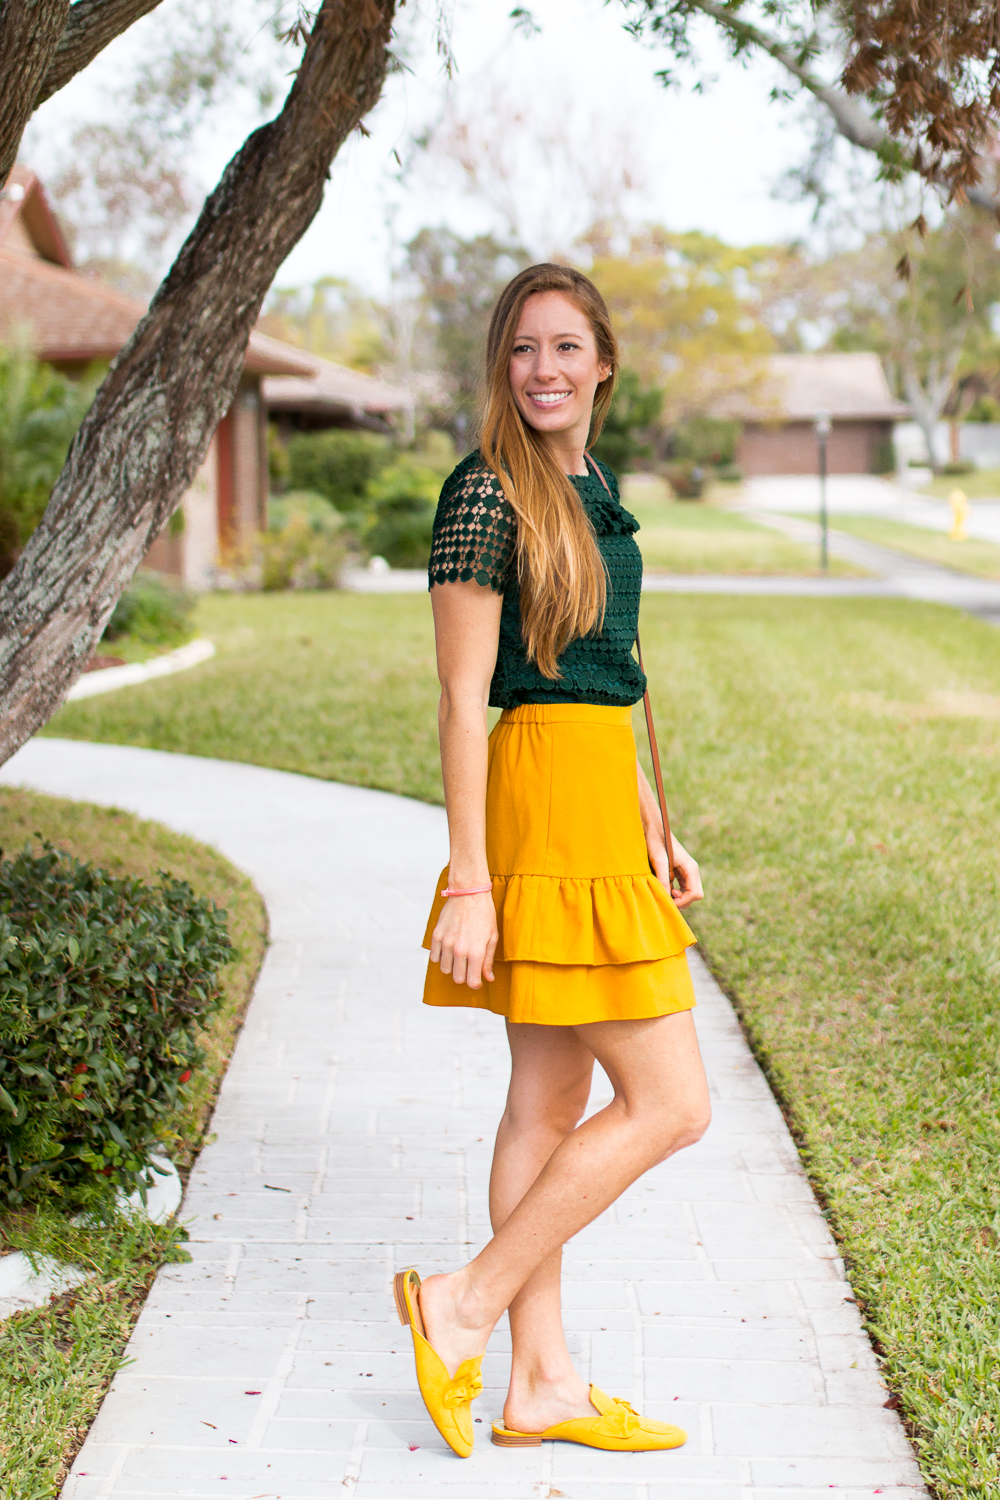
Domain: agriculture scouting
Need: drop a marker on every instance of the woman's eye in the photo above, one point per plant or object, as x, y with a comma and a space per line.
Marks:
569, 346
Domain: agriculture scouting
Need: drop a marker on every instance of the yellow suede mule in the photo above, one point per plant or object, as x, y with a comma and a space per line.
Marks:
448, 1401
618, 1429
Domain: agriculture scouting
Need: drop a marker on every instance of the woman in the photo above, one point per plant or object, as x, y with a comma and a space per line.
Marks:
555, 910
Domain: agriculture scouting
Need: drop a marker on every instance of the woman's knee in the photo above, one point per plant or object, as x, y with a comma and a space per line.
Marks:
556, 1117
553, 1111
668, 1129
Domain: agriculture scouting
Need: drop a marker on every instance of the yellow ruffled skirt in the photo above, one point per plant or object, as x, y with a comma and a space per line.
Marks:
587, 931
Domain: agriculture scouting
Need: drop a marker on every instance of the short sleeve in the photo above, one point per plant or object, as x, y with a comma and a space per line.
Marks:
474, 529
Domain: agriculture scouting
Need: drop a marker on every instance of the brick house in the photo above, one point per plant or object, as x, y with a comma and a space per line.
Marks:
75, 323
779, 424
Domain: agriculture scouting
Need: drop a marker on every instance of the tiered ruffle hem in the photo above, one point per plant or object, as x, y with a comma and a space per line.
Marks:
587, 931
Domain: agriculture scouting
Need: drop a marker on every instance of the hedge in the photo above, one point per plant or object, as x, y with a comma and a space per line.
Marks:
105, 984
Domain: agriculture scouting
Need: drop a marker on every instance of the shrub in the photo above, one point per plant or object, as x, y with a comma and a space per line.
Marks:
339, 465
958, 466
105, 983
153, 611
635, 409
403, 499
303, 547
687, 480
985, 408
705, 441
40, 411
884, 458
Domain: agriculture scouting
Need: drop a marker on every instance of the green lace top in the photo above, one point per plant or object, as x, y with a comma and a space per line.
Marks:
474, 537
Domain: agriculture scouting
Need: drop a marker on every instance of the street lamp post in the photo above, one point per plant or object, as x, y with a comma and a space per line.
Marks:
822, 433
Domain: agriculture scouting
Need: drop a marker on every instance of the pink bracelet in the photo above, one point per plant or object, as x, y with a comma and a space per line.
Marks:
476, 890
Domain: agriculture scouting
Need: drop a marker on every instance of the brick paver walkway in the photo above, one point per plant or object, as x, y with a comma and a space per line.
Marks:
352, 1138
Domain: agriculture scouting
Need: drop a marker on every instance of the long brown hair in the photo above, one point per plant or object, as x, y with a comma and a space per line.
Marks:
561, 572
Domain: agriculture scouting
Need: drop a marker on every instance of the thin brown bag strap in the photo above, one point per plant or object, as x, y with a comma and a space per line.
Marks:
650, 730
657, 773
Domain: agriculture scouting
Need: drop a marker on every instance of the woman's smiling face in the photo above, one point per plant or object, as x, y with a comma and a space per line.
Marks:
554, 366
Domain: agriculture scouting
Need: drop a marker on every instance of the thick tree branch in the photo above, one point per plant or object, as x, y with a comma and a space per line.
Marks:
851, 119
90, 26
152, 419
29, 34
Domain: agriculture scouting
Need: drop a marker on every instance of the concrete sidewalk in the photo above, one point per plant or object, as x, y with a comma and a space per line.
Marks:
897, 573
352, 1138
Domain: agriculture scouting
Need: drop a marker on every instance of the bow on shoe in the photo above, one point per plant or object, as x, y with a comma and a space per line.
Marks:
622, 1422
465, 1387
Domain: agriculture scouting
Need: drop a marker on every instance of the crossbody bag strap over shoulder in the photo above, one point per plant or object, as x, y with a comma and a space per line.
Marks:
653, 748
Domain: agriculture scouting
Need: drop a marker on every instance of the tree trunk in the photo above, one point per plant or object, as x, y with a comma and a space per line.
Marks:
90, 26
928, 397
153, 417
29, 34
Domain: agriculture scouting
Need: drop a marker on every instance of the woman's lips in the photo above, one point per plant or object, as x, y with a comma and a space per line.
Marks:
549, 398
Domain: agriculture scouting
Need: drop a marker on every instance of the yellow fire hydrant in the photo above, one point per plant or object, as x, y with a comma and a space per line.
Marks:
958, 500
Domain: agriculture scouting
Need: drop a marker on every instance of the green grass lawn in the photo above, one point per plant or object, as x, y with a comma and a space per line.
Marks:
680, 536
57, 1361
835, 766
980, 558
981, 484
331, 684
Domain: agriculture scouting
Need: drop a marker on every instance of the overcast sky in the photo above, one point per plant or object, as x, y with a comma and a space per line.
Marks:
711, 159
703, 161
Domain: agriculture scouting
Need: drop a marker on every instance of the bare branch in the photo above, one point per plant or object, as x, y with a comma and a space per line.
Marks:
90, 26
29, 34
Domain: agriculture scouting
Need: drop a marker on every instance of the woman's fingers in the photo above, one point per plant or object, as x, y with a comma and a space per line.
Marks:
466, 956
491, 948
689, 879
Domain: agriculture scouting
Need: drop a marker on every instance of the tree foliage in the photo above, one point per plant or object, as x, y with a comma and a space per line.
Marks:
919, 80
685, 318
932, 70
460, 280
331, 318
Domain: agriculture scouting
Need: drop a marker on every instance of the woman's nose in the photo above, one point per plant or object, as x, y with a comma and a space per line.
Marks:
545, 365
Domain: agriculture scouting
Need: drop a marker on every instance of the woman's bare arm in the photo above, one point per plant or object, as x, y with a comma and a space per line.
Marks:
685, 868
467, 630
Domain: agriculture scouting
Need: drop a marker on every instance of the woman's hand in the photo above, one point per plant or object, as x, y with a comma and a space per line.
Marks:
465, 939
686, 872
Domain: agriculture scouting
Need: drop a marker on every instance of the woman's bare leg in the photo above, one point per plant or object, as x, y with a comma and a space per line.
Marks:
551, 1070
660, 1105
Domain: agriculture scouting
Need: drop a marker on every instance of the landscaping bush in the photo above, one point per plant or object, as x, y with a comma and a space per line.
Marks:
404, 499
40, 410
339, 465
705, 441
153, 611
303, 547
105, 983
686, 479
633, 414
